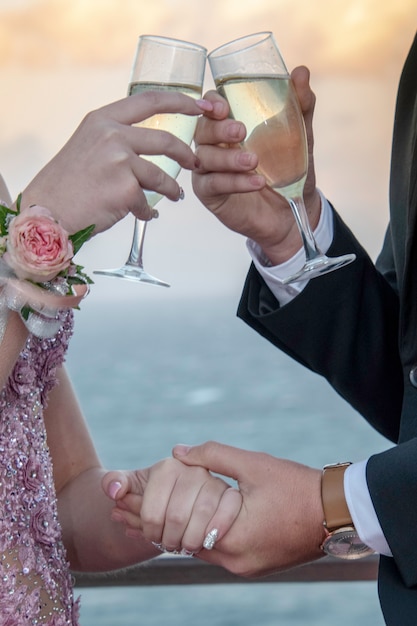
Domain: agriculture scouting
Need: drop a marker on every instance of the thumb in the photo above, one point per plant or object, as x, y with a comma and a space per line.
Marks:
116, 484
216, 457
301, 81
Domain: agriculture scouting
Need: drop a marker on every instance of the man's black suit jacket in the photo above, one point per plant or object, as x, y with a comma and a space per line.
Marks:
358, 328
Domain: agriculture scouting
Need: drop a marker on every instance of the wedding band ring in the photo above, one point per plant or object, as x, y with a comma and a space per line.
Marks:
178, 552
185, 552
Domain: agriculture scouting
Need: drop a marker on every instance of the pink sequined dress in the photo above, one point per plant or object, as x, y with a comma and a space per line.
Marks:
35, 581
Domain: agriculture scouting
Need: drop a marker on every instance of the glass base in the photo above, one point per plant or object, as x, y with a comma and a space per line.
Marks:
136, 274
319, 266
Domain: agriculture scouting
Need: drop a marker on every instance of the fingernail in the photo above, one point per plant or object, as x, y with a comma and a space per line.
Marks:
235, 131
155, 214
219, 108
205, 105
182, 194
114, 489
181, 449
257, 181
132, 533
247, 158
210, 539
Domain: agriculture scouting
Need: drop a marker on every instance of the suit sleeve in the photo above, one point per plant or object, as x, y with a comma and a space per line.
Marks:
343, 326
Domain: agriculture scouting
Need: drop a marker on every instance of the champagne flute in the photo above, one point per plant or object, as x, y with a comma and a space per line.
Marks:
161, 64
251, 74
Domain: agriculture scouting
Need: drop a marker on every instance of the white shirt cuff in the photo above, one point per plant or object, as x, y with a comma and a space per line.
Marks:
274, 274
362, 510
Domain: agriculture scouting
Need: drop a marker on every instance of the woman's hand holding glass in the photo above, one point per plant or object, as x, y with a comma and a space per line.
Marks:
167, 65
106, 148
172, 505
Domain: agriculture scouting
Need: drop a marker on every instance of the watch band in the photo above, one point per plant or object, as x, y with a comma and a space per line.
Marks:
336, 512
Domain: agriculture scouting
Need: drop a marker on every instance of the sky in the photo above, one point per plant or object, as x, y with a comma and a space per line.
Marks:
60, 59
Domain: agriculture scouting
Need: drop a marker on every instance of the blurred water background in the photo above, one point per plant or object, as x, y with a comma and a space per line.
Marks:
154, 371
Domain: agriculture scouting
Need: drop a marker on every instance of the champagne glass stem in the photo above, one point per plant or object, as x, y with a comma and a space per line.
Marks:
316, 263
133, 268
300, 214
136, 251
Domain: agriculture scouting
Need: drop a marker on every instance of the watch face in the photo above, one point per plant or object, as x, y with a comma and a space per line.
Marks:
345, 544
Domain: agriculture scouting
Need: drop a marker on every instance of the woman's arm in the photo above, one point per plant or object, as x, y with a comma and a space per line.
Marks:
93, 541
97, 178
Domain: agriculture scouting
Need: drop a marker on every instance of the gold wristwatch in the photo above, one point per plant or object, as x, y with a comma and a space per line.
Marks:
341, 540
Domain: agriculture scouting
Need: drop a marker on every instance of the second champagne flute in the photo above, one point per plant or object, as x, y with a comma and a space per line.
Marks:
251, 74
162, 64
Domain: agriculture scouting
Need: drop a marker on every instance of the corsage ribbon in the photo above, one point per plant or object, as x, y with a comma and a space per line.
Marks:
38, 307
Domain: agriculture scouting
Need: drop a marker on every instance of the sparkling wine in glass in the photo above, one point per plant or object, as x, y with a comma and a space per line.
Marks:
251, 74
162, 64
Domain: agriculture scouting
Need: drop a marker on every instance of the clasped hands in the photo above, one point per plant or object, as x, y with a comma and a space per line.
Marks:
271, 520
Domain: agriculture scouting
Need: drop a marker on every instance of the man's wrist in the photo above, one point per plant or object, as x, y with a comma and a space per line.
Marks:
280, 253
274, 275
342, 539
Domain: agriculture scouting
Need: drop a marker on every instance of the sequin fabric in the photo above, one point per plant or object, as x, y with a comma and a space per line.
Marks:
35, 581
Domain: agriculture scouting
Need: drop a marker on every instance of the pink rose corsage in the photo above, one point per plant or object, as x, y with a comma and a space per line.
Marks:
37, 271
